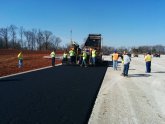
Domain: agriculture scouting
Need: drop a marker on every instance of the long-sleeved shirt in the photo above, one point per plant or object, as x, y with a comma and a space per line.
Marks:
126, 59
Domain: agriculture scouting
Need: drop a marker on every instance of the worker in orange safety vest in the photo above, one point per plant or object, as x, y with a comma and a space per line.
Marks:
115, 57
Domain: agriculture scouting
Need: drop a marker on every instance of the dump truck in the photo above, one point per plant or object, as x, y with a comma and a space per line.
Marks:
93, 41
156, 55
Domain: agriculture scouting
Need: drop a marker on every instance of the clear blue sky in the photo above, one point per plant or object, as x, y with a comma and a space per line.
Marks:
121, 22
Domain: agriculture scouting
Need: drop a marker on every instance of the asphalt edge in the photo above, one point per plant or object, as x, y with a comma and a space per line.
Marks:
98, 95
28, 71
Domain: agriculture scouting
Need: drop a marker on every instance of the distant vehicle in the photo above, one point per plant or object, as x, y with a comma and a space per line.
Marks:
94, 42
156, 55
135, 55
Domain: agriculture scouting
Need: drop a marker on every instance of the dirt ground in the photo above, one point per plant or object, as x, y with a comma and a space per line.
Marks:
31, 60
136, 99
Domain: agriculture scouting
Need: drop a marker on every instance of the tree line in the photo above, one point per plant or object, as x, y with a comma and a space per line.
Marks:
137, 50
13, 37
35, 39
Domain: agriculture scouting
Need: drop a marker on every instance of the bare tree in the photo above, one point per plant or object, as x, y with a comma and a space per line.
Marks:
21, 31
4, 36
1, 42
158, 49
28, 38
40, 39
33, 41
47, 35
144, 49
12, 29
107, 50
57, 42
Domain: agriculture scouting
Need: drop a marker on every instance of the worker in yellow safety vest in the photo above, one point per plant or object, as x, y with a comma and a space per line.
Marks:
72, 56
93, 57
84, 58
20, 59
148, 59
65, 57
53, 54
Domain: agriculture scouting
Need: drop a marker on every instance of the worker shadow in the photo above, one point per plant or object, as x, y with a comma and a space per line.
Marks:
159, 72
139, 75
69, 64
99, 64
110, 63
103, 64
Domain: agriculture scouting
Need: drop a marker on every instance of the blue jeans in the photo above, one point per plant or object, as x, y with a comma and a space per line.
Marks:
115, 64
83, 62
72, 59
148, 66
125, 70
20, 63
53, 61
93, 60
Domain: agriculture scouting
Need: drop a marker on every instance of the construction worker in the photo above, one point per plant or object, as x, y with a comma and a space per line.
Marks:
84, 58
115, 57
72, 56
65, 57
20, 59
126, 61
93, 57
53, 54
148, 59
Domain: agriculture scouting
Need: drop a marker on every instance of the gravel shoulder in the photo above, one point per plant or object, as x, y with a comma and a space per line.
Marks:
137, 99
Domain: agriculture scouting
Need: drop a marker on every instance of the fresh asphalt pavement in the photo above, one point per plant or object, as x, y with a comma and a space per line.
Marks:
57, 95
